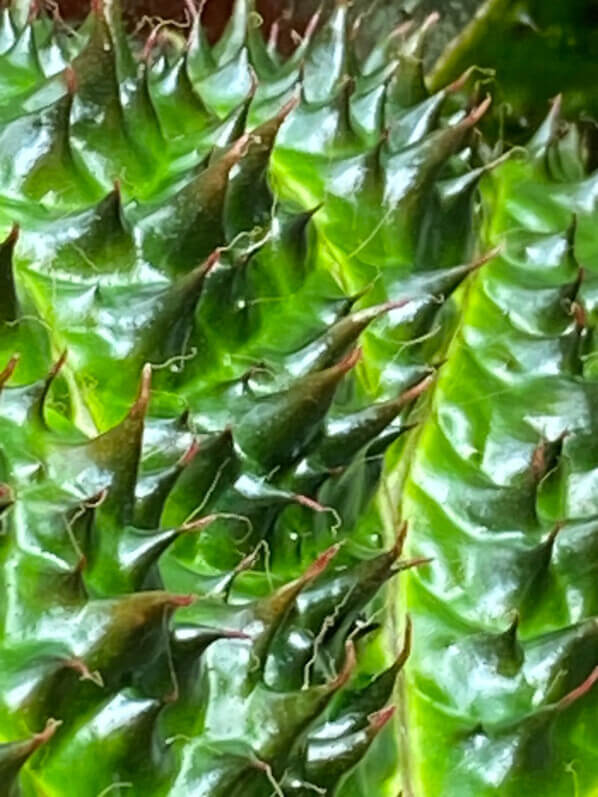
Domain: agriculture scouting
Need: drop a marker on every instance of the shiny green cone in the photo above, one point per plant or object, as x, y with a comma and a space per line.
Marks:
271, 332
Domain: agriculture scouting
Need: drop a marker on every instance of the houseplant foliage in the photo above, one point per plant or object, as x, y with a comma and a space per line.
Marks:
296, 421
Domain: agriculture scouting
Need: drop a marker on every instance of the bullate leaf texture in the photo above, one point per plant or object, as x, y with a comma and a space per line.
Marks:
297, 407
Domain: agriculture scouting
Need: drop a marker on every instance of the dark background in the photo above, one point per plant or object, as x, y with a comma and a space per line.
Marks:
538, 47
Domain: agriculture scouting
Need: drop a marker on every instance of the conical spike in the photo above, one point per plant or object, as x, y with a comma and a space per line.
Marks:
165, 334
346, 436
326, 61
118, 451
122, 563
272, 610
408, 86
279, 427
120, 629
251, 176
334, 344
9, 370
13, 755
194, 639
190, 224
213, 468
102, 238
548, 132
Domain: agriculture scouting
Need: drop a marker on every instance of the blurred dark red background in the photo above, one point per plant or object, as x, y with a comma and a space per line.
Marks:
292, 14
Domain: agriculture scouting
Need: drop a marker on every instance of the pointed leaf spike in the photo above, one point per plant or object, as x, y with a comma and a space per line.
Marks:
380, 718
348, 667
13, 755
119, 450
407, 643
579, 691
9, 370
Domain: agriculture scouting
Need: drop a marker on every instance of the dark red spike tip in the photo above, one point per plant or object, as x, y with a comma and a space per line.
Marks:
9, 369
414, 392
57, 367
397, 548
312, 24
580, 691
321, 563
310, 503
189, 454
431, 20
407, 642
380, 718
288, 108
407, 564
478, 112
485, 258
211, 261
348, 667
179, 601
199, 524
6, 496
48, 732
350, 361
13, 235
149, 45
141, 404
70, 79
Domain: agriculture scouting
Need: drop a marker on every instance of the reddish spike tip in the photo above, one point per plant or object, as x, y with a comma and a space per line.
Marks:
179, 601
48, 732
407, 637
287, 108
553, 534
6, 495
97, 7
70, 79
579, 691
579, 314
237, 151
321, 563
312, 25
232, 634
557, 103
199, 524
476, 113
149, 45
81, 565
400, 540
310, 503
416, 390
9, 369
189, 454
458, 84
379, 719
485, 258
143, 396
13, 235
350, 361
348, 667
211, 261
394, 305
402, 29
57, 367
409, 563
